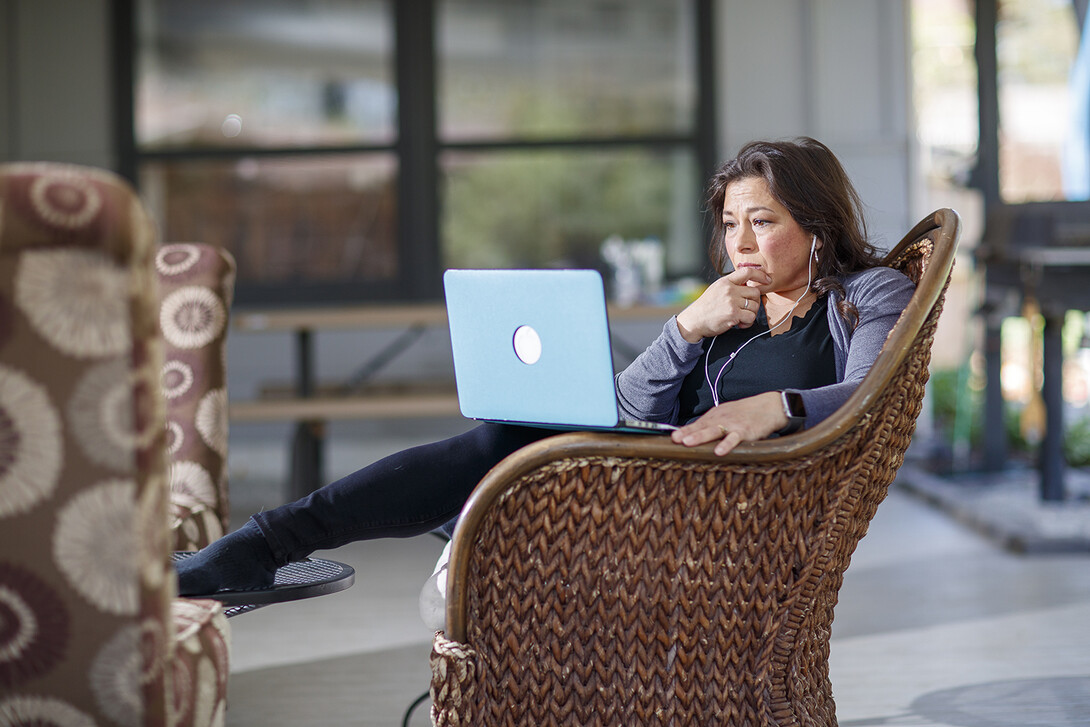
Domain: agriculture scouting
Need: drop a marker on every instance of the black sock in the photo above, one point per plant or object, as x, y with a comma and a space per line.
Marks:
240, 561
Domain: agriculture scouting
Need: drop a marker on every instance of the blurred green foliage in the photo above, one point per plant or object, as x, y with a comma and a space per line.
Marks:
555, 208
947, 385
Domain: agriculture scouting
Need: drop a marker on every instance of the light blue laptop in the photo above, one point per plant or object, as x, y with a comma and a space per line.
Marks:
532, 347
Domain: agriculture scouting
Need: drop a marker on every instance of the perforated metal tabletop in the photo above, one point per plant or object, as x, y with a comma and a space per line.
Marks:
304, 579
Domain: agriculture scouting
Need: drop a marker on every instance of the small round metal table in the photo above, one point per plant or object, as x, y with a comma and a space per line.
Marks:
304, 579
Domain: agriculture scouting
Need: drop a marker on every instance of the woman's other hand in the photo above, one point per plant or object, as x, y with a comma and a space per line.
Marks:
731, 301
732, 422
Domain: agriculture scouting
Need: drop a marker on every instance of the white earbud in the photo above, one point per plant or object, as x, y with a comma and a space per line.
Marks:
813, 247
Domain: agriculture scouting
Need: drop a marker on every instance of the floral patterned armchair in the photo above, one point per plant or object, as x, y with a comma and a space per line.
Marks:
90, 631
196, 285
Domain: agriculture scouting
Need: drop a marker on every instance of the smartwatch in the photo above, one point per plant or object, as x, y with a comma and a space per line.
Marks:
794, 409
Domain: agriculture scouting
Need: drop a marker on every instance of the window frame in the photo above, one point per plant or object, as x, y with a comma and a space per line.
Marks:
416, 148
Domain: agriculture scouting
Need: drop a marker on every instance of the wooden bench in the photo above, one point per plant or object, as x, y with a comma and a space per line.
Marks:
310, 406
329, 408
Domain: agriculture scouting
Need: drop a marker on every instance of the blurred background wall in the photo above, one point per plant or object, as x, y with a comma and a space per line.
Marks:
347, 151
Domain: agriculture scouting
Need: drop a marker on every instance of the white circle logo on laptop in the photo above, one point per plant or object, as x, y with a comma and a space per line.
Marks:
527, 345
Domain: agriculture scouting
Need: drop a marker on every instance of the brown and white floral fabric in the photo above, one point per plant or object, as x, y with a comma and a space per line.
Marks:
87, 634
196, 285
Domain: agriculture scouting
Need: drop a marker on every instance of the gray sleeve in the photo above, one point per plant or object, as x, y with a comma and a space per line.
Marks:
880, 295
648, 388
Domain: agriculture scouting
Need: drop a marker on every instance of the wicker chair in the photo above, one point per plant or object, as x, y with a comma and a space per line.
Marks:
90, 632
609, 579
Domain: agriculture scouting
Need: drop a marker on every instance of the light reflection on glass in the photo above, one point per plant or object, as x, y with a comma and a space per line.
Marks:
1037, 42
565, 68
304, 72
308, 220
542, 209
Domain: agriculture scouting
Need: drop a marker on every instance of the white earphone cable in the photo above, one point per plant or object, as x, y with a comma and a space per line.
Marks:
730, 359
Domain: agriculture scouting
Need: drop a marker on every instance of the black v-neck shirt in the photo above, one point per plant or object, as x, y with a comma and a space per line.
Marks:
800, 358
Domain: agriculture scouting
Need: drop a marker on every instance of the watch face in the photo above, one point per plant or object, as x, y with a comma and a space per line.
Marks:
795, 406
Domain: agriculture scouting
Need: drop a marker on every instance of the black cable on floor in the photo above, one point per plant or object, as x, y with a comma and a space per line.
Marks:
409, 712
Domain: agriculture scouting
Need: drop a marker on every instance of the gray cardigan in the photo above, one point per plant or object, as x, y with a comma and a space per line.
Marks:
648, 388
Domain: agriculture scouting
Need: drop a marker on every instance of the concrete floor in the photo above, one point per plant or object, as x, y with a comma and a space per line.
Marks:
936, 625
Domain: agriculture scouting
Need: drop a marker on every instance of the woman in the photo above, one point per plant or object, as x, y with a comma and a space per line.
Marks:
778, 343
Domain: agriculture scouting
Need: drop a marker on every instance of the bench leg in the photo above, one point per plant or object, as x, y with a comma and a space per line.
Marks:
306, 459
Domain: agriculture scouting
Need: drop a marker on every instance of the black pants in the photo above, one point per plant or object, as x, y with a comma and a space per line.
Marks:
406, 494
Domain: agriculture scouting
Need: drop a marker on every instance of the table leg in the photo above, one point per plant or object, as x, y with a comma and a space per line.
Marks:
308, 441
995, 434
307, 464
1052, 455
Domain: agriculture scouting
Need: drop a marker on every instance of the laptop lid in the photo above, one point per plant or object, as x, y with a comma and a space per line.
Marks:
531, 346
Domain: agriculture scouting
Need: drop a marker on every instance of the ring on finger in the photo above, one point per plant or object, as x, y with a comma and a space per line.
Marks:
745, 305
723, 430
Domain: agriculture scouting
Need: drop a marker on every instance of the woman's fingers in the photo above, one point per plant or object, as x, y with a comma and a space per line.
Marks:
729, 442
700, 432
728, 302
749, 277
696, 434
734, 422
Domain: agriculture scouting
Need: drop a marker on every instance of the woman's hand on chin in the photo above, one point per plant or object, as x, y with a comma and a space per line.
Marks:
731, 301
732, 422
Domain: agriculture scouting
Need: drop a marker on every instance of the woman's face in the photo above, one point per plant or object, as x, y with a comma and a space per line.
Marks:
759, 232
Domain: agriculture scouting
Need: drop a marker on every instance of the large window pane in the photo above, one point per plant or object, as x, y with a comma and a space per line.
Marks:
263, 73
549, 68
944, 78
304, 221
1037, 42
555, 208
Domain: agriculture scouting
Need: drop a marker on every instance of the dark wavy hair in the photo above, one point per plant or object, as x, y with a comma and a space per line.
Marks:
805, 177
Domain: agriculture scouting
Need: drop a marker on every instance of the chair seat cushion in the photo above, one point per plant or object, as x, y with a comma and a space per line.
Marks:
433, 596
201, 662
